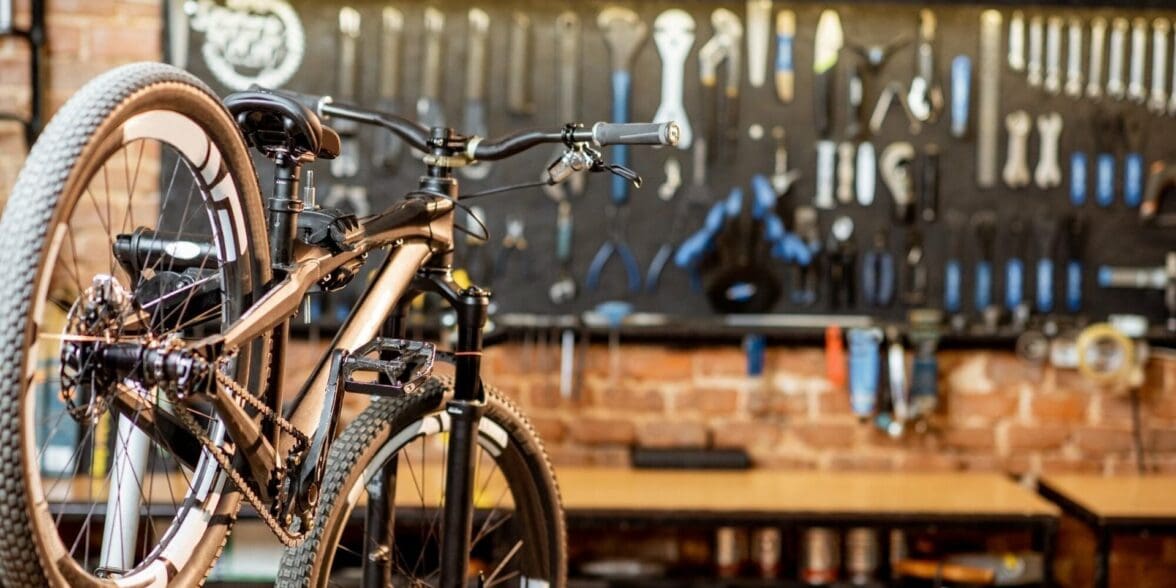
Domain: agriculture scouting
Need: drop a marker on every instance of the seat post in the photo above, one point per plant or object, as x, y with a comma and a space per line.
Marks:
284, 206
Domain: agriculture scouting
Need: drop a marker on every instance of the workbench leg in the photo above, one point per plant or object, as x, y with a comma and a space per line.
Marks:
1102, 558
1047, 532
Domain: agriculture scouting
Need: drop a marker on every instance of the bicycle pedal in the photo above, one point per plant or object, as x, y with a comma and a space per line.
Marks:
403, 364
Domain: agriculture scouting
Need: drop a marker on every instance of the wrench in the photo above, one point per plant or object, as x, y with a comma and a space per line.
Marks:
429, 109
926, 96
475, 91
845, 162
518, 78
724, 46
387, 146
1033, 69
347, 164
673, 181
1074, 58
782, 177
1136, 91
1115, 87
1016, 170
785, 72
567, 25
1053, 55
1158, 104
759, 27
988, 99
673, 34
1017, 41
1098, 35
1048, 173
895, 165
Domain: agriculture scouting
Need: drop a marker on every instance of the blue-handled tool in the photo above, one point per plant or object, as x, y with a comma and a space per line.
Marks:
785, 75
961, 93
1075, 242
864, 370
1046, 230
1108, 132
878, 283
785, 246
953, 271
1015, 266
1133, 163
1078, 176
984, 226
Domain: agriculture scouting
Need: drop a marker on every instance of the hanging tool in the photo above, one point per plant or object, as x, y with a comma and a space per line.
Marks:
1158, 103
1098, 36
1049, 129
759, 28
826, 160
1017, 41
1136, 91
805, 277
961, 90
1134, 135
845, 162
1075, 228
514, 244
865, 173
953, 272
835, 362
854, 91
841, 255
878, 279
1053, 55
694, 201
1148, 278
984, 227
1078, 175
519, 101
430, 113
1160, 181
914, 291
924, 336
564, 289
893, 93
673, 34
988, 99
721, 130
782, 177
896, 174
1116, 87
673, 182
1016, 170
896, 372
829, 41
1045, 229
346, 165
387, 147
926, 96
1073, 86
1108, 133
929, 183
864, 370
624, 33
1014, 291
785, 74
874, 57
1034, 69
1172, 93
474, 122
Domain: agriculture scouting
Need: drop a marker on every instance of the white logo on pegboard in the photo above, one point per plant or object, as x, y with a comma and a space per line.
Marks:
249, 41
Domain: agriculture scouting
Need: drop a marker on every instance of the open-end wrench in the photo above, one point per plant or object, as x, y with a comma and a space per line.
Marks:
785, 71
988, 99
759, 29
1033, 68
1018, 124
387, 147
518, 77
1053, 55
1136, 91
673, 34
429, 110
1098, 38
347, 164
1017, 41
1158, 102
1073, 87
474, 122
1116, 88
1049, 129
926, 95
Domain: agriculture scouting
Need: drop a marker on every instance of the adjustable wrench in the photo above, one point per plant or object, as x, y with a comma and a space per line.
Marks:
1017, 41
926, 96
1074, 58
518, 78
724, 46
387, 146
1098, 36
988, 99
1158, 103
1016, 170
1033, 69
1115, 85
1048, 173
1136, 91
785, 74
429, 110
474, 122
347, 164
759, 27
1053, 55
673, 34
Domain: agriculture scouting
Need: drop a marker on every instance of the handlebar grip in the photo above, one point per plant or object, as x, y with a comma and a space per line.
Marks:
666, 133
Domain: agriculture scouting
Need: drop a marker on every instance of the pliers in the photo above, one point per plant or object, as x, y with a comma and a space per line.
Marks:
618, 216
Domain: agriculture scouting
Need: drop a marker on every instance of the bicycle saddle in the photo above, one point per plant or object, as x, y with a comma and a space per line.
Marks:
274, 122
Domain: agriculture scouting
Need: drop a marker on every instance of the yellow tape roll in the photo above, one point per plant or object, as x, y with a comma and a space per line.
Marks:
1098, 335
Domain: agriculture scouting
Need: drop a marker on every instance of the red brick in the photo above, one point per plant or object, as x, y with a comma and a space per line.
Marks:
988, 406
126, 43
980, 462
550, 429
671, 434
1102, 440
744, 434
542, 394
707, 400
619, 397
1162, 440
833, 403
1037, 437
970, 438
1007, 369
793, 405
925, 461
1060, 407
823, 435
860, 462
720, 361
601, 431
805, 362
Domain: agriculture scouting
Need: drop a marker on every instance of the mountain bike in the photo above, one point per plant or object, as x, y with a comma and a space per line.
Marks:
144, 328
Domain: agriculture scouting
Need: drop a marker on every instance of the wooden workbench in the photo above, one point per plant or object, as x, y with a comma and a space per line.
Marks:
1110, 505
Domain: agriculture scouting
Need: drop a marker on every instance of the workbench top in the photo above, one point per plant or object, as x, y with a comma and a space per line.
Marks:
1134, 497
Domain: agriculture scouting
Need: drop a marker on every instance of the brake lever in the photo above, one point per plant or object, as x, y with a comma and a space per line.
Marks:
618, 170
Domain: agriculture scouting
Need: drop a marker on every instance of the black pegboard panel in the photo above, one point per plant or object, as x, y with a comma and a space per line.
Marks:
1115, 235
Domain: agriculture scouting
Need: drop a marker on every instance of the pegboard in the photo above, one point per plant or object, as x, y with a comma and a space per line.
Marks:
1114, 235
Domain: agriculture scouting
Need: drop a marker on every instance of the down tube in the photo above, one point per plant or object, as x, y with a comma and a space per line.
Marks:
361, 326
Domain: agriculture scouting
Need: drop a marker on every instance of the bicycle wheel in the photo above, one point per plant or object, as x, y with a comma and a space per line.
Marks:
137, 218
518, 538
